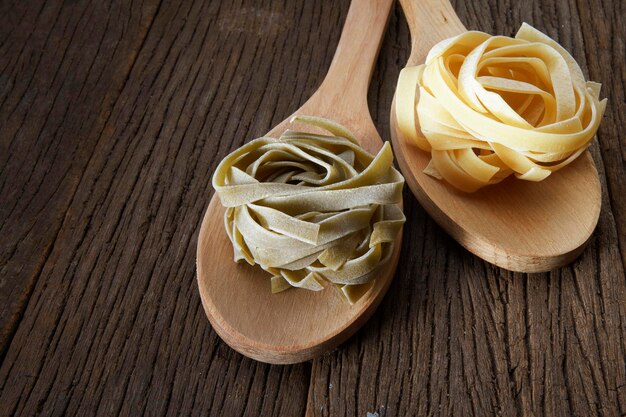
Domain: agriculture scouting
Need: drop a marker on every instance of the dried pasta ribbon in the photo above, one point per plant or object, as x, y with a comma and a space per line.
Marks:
491, 106
311, 208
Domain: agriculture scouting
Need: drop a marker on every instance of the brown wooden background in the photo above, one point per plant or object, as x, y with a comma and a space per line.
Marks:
113, 115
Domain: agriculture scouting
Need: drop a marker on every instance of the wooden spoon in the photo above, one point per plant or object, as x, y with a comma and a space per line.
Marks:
518, 225
297, 325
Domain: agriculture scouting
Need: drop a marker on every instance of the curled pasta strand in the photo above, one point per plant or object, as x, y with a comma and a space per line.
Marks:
487, 107
312, 208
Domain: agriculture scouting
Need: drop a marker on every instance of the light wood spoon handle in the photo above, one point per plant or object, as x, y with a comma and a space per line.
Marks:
342, 95
429, 20
350, 72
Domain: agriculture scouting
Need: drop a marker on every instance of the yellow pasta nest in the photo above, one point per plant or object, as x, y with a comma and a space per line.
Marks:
311, 208
491, 106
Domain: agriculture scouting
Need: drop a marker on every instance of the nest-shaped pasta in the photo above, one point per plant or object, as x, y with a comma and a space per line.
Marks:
310, 208
491, 106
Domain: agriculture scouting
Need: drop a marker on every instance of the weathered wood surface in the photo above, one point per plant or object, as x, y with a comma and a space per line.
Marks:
113, 116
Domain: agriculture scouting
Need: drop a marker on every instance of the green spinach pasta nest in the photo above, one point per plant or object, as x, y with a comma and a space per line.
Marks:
312, 209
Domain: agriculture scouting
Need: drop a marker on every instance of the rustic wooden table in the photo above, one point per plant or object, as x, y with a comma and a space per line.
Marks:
113, 116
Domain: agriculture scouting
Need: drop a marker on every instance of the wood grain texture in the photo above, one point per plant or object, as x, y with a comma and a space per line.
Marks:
61, 70
456, 336
114, 324
97, 250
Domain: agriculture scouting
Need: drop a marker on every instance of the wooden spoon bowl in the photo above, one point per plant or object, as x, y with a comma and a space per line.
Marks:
517, 225
297, 325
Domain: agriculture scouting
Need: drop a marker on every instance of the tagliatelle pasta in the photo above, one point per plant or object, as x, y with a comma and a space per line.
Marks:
310, 208
491, 106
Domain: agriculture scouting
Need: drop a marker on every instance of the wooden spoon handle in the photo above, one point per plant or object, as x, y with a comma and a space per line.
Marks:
348, 78
430, 21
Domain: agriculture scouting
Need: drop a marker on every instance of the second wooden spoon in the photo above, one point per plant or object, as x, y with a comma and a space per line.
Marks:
517, 225
297, 325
